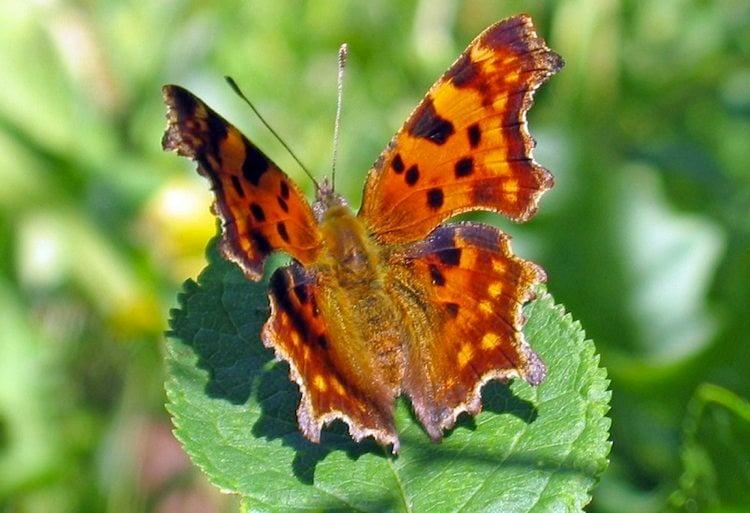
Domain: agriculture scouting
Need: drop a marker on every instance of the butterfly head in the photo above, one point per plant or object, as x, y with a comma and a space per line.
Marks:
325, 199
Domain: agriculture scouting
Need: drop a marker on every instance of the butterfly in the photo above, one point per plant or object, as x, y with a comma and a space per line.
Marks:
393, 300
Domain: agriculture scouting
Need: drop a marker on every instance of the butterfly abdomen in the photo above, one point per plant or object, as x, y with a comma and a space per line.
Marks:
359, 307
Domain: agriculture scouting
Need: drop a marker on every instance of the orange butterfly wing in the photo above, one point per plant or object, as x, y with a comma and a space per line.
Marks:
334, 383
466, 146
464, 290
261, 209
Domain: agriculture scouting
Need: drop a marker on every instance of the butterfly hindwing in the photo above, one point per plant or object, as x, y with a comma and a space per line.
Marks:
261, 209
469, 289
333, 386
466, 146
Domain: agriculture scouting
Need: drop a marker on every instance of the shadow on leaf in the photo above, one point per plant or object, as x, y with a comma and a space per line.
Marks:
225, 338
498, 398
278, 397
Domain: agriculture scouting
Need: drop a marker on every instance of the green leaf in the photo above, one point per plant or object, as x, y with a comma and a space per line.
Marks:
530, 450
715, 454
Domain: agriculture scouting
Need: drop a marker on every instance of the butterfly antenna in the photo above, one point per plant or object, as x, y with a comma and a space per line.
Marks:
339, 102
239, 93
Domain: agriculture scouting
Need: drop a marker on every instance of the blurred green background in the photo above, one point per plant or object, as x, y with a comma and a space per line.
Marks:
645, 238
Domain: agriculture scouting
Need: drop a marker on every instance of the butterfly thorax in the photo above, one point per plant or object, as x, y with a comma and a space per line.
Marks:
347, 249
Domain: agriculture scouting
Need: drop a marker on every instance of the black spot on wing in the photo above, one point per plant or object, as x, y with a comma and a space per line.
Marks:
412, 175
281, 229
436, 276
450, 256
397, 164
427, 124
211, 143
283, 204
475, 135
280, 285
257, 212
452, 309
284, 189
217, 132
435, 198
255, 163
464, 167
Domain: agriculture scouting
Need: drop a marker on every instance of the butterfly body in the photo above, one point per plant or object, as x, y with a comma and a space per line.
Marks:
390, 300
347, 250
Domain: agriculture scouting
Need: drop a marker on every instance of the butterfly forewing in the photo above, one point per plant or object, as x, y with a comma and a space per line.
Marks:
466, 146
261, 209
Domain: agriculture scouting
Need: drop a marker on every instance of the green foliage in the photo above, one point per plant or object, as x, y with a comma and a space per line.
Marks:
531, 450
716, 474
645, 237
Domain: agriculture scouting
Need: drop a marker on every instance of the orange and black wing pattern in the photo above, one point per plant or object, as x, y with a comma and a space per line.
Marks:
466, 146
260, 208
